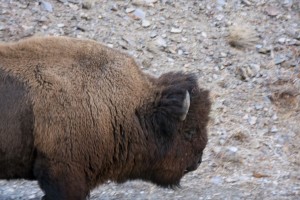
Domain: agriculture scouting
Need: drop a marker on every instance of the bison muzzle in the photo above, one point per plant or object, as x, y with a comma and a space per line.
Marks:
75, 114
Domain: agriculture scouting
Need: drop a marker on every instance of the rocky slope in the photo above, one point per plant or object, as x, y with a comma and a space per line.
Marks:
247, 52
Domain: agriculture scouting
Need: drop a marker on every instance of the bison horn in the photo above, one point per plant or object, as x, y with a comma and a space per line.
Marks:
185, 106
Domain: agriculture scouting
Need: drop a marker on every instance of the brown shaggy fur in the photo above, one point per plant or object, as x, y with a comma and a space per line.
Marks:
75, 113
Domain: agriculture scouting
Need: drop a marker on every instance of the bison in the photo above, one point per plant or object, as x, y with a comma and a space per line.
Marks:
75, 113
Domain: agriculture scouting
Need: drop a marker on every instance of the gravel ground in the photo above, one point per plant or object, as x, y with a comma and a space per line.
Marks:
247, 52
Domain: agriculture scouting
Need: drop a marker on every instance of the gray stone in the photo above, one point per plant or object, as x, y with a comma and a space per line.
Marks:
146, 23
47, 6
176, 30
139, 13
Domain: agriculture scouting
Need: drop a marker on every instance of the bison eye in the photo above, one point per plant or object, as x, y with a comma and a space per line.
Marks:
189, 134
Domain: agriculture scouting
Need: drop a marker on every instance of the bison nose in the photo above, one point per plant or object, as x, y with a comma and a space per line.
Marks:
200, 160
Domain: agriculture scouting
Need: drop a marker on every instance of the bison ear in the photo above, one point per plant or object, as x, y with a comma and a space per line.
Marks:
171, 107
174, 103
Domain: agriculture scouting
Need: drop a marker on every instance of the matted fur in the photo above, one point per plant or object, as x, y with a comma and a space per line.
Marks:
75, 114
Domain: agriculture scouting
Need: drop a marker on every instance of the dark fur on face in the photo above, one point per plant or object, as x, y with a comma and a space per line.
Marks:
177, 139
75, 114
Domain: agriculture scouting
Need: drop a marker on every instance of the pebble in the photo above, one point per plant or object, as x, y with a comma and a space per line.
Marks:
223, 55
176, 30
42, 19
281, 40
144, 2
75, 1
233, 149
279, 59
232, 179
129, 10
217, 180
246, 2
274, 129
47, 6
85, 16
153, 34
252, 120
139, 13
220, 17
146, 23
274, 117
259, 106
146, 63
114, 7
221, 2
60, 25
161, 42
264, 50
272, 11
180, 52
73, 6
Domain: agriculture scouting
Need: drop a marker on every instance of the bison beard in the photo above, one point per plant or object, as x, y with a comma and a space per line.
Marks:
75, 114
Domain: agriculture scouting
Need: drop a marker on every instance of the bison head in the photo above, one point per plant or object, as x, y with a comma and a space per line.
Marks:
176, 118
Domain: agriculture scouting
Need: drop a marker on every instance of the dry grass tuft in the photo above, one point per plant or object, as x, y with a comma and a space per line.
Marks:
242, 37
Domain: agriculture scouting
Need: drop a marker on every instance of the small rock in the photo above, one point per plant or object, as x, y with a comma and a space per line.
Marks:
110, 45
217, 180
221, 2
184, 39
223, 55
176, 30
73, 6
47, 6
231, 179
114, 7
146, 23
272, 11
81, 28
233, 149
144, 2
60, 25
274, 117
161, 42
153, 34
281, 40
252, 120
146, 63
274, 129
204, 34
139, 13
244, 73
180, 52
259, 106
85, 16
75, 1
42, 19
279, 59
129, 10
123, 44
246, 2
220, 17
264, 50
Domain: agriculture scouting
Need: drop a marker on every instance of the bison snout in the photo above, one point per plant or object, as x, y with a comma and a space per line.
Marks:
194, 166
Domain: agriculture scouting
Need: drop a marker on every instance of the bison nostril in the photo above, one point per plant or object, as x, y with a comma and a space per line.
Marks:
199, 162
